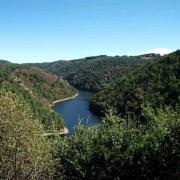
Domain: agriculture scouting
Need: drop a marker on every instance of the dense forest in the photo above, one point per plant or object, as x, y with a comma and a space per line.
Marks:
24, 152
119, 148
92, 72
156, 84
139, 135
36, 88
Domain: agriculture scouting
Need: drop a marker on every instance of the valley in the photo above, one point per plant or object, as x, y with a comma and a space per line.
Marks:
137, 124
75, 111
92, 73
89, 90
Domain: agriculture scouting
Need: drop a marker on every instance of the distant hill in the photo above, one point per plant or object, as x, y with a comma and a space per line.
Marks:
149, 56
157, 83
92, 73
37, 89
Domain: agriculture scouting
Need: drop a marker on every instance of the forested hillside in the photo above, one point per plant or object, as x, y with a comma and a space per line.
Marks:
118, 148
92, 72
157, 84
121, 148
36, 88
26, 117
89, 89
24, 152
44, 86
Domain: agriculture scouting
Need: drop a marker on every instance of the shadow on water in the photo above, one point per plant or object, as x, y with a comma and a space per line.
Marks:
75, 111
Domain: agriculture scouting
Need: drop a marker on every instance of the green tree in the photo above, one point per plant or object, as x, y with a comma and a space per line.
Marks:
117, 150
24, 152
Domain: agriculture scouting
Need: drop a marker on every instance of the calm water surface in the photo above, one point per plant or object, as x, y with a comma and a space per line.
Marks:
75, 111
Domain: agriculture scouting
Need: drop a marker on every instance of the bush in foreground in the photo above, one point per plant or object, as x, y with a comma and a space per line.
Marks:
119, 150
24, 152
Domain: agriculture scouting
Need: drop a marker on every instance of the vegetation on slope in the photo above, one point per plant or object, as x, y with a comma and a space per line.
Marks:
92, 72
114, 150
117, 150
25, 117
24, 152
157, 84
38, 89
44, 86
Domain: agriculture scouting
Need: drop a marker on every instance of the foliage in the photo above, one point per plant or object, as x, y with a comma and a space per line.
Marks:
5, 70
45, 86
139, 138
38, 89
92, 73
119, 150
157, 83
24, 152
46, 116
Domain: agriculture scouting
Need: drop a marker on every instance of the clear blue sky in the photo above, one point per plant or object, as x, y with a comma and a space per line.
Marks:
47, 30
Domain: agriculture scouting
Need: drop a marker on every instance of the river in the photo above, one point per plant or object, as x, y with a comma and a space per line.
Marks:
75, 111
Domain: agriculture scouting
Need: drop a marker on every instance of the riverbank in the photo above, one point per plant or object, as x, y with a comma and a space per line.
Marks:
65, 99
60, 133
64, 131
